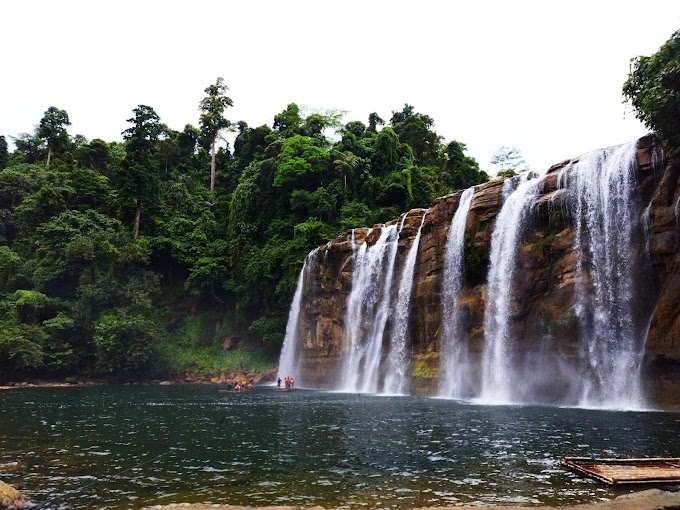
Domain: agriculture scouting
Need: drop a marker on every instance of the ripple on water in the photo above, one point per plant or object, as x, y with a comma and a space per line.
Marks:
162, 445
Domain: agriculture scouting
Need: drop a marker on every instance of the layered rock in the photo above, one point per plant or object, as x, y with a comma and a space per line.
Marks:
542, 307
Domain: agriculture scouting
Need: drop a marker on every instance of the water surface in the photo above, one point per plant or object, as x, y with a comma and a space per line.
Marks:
125, 447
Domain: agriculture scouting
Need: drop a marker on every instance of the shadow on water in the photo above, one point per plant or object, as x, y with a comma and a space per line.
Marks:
104, 446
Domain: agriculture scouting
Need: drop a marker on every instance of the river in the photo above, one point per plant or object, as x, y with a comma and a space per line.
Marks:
129, 446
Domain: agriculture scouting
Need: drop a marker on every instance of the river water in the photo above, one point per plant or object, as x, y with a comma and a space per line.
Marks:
129, 446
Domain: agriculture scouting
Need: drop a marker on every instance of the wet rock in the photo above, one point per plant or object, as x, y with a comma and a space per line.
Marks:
11, 499
547, 277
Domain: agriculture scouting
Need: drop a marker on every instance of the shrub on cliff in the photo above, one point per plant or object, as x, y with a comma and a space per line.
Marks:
653, 89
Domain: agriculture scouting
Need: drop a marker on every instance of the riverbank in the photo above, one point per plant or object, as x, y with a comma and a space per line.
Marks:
191, 378
651, 499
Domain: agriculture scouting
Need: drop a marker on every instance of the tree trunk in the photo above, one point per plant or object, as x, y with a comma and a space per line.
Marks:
212, 165
49, 155
137, 215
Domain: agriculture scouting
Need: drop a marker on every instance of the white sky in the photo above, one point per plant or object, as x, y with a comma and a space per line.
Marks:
542, 76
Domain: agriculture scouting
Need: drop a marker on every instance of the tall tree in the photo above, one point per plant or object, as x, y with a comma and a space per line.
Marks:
212, 118
52, 129
140, 179
4, 153
415, 129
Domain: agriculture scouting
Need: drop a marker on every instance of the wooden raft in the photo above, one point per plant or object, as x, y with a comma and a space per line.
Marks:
627, 471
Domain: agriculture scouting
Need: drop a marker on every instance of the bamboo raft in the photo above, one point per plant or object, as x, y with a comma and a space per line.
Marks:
627, 471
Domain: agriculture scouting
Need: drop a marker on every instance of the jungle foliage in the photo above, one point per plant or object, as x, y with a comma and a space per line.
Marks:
118, 257
653, 89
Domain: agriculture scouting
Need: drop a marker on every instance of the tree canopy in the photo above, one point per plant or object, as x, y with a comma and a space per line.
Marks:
52, 129
117, 255
653, 90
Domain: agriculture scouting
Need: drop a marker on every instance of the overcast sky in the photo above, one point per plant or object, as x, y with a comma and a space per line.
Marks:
542, 76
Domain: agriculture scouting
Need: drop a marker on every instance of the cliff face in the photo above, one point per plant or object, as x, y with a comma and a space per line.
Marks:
543, 329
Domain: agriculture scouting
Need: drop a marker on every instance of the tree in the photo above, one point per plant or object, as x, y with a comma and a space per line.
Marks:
140, 179
29, 146
390, 154
52, 129
509, 159
95, 154
288, 121
415, 129
461, 171
357, 128
212, 119
374, 121
124, 341
653, 89
299, 158
4, 153
346, 164
20, 347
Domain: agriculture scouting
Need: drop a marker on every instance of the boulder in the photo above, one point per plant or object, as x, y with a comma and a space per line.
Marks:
10, 498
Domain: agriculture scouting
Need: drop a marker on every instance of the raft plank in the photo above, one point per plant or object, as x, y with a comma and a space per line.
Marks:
627, 471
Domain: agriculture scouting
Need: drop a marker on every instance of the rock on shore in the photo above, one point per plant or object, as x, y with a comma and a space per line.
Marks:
11, 498
652, 499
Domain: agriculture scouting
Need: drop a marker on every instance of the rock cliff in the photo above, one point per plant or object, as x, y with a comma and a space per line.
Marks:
543, 330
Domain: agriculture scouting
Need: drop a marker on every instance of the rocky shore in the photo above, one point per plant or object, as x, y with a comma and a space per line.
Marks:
651, 499
254, 377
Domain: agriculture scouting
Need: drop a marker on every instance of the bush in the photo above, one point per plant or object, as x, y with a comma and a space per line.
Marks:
124, 342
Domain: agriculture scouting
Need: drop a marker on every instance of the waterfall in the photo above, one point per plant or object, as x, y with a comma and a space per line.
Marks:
601, 185
453, 351
397, 360
367, 310
497, 376
288, 358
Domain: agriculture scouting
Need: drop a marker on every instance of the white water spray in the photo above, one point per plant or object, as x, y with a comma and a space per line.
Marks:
601, 185
454, 349
396, 366
288, 357
497, 376
367, 311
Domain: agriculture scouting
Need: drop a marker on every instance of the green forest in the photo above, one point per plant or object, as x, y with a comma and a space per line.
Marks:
147, 256
139, 258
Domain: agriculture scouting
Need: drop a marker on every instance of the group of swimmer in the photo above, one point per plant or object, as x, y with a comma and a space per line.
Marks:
288, 382
235, 385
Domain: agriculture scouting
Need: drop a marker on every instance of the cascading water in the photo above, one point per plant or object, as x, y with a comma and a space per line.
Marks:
497, 374
367, 310
603, 272
453, 352
288, 357
601, 185
397, 360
